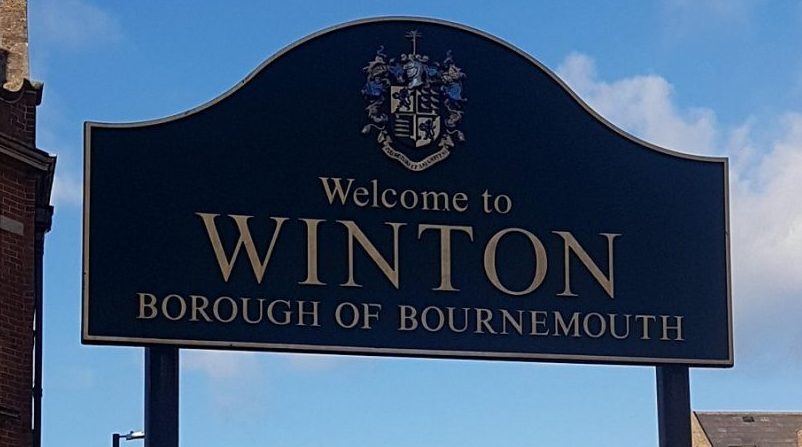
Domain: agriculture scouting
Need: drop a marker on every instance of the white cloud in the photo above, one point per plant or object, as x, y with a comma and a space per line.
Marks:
74, 24
231, 378
67, 190
642, 105
219, 365
767, 216
765, 194
227, 365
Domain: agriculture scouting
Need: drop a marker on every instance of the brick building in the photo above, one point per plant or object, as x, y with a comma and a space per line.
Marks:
26, 178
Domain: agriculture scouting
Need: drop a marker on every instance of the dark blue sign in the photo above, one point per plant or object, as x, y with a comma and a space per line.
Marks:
405, 187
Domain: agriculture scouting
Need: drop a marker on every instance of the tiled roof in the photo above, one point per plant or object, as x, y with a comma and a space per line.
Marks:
743, 429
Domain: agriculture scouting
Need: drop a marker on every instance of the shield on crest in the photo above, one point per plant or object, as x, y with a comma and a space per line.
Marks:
415, 115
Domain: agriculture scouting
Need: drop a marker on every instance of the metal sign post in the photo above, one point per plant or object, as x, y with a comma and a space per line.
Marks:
674, 406
161, 396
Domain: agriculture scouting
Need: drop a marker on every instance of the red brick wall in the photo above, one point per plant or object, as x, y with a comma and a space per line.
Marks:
18, 189
17, 202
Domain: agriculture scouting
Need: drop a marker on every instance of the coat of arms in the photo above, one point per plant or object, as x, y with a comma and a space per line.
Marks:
415, 105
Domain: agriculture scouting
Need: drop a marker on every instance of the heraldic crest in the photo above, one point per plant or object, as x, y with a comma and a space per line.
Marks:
415, 105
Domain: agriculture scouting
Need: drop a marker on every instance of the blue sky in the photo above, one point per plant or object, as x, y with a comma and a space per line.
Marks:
707, 76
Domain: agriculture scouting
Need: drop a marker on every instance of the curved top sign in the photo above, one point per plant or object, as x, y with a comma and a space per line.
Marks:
405, 186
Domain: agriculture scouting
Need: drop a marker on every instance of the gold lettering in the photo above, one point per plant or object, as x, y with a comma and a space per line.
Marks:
445, 251
460, 202
541, 261
414, 198
451, 319
602, 324
311, 253
559, 324
354, 312
483, 317
375, 195
216, 309
435, 197
538, 318
199, 305
271, 313
370, 312
246, 314
645, 320
572, 245
361, 196
354, 233
518, 324
387, 203
182, 306
407, 315
676, 328
150, 306
245, 239
424, 319
613, 324
336, 190
303, 313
